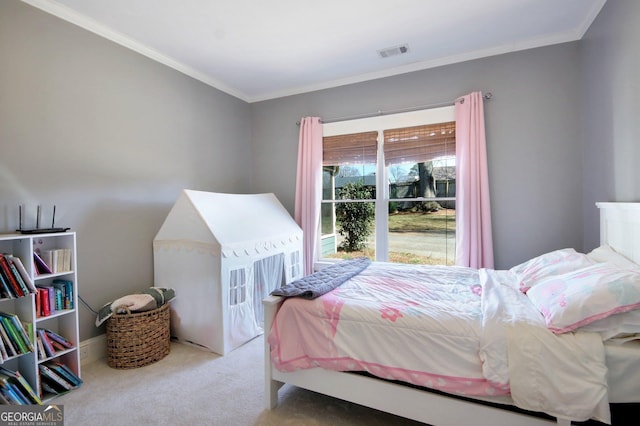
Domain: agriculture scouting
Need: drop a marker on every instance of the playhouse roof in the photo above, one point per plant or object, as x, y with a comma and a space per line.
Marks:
234, 224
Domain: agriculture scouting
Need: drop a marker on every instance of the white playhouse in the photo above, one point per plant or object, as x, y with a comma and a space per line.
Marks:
222, 254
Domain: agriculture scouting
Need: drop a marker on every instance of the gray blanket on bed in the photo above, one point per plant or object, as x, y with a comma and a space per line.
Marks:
324, 280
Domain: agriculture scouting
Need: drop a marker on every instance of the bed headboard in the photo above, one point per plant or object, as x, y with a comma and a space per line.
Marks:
620, 228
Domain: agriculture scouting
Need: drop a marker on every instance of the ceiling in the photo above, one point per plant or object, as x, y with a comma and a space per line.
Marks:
263, 49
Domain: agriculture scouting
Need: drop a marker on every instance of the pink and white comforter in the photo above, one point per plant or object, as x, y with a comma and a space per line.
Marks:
453, 329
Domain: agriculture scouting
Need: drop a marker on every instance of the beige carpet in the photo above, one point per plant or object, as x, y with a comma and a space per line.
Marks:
192, 386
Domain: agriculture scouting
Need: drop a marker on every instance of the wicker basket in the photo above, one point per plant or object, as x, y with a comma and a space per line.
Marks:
138, 339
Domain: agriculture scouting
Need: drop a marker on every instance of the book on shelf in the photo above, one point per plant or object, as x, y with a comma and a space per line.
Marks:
16, 331
51, 343
11, 260
5, 288
26, 277
43, 302
6, 271
49, 350
58, 260
15, 339
65, 372
46, 387
63, 341
31, 333
14, 394
40, 266
54, 379
14, 270
42, 355
66, 287
4, 355
54, 297
8, 344
3, 399
22, 384
46, 294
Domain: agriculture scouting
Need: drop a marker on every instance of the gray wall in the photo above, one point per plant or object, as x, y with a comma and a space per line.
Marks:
611, 85
533, 136
111, 138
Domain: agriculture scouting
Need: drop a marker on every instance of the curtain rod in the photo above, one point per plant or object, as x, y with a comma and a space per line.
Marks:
485, 96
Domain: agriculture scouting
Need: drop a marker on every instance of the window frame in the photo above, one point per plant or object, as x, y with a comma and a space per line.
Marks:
379, 124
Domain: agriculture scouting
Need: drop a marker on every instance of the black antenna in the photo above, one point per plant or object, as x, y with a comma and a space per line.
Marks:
37, 229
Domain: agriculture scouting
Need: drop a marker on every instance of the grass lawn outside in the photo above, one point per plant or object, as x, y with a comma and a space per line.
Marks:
410, 227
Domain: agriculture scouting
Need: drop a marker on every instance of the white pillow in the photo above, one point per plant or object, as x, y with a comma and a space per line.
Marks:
606, 254
578, 298
556, 262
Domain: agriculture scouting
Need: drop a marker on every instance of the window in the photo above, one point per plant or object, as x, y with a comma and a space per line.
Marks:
237, 286
295, 265
399, 170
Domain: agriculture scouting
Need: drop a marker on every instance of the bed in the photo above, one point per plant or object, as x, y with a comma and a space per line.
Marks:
473, 346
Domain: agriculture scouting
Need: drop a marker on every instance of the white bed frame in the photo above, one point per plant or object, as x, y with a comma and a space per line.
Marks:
619, 227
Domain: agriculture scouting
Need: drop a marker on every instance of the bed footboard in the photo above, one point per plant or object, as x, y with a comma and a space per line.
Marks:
271, 305
408, 402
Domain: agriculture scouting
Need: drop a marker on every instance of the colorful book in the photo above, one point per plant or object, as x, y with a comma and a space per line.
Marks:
3, 350
26, 277
8, 390
40, 265
16, 274
7, 383
59, 298
54, 378
5, 288
67, 288
49, 350
57, 346
14, 337
38, 303
42, 355
43, 297
8, 344
24, 400
60, 339
47, 299
52, 299
22, 383
8, 275
20, 330
3, 399
66, 373
8, 395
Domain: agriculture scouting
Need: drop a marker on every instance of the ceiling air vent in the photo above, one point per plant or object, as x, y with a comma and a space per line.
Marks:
393, 51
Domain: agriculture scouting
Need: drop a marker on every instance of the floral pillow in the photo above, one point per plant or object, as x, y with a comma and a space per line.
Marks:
578, 298
555, 262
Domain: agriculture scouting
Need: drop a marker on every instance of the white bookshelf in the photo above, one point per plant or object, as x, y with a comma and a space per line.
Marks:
63, 322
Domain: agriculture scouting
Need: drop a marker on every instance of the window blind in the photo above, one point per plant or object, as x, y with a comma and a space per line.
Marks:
351, 148
420, 143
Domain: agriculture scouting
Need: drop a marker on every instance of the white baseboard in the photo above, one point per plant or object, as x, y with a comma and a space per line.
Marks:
93, 349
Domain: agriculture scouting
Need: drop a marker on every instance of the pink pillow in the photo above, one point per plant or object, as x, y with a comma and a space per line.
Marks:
578, 298
555, 262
